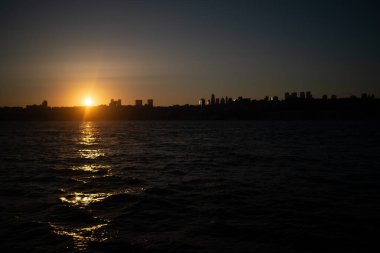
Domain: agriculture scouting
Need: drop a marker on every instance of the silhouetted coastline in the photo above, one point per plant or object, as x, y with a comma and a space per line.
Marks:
243, 109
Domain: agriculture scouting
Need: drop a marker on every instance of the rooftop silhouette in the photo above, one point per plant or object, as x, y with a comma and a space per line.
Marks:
295, 105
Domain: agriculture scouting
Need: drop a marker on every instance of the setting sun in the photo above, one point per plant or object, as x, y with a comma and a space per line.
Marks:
88, 102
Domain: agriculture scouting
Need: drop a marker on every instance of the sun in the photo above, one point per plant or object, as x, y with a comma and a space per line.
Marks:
88, 102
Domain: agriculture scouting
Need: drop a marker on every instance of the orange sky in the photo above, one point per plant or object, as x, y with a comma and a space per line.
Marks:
176, 52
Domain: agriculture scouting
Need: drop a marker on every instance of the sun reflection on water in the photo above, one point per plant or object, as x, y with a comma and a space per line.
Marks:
89, 138
88, 134
92, 168
88, 147
91, 153
82, 236
81, 199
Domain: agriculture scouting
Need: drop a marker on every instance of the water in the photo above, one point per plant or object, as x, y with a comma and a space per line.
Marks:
190, 186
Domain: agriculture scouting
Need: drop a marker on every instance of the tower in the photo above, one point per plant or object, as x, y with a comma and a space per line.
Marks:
212, 99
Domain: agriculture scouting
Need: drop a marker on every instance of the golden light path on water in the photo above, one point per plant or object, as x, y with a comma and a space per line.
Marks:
92, 168
89, 150
81, 199
82, 236
90, 153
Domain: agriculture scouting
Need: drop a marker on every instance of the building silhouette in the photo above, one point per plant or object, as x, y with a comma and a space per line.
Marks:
115, 103
43, 105
302, 95
212, 99
364, 106
202, 102
274, 98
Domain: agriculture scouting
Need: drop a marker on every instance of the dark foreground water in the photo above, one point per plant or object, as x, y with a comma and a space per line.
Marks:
190, 186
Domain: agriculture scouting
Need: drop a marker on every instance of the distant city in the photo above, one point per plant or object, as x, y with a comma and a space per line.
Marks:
288, 96
295, 105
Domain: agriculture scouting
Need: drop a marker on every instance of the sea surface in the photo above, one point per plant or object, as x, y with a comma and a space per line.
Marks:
209, 186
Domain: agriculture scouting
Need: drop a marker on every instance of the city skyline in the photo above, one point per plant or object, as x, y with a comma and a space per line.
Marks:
213, 100
296, 105
176, 52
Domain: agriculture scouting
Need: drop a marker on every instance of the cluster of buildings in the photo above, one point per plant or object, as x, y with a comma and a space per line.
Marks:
44, 104
229, 100
368, 96
308, 95
138, 103
225, 100
218, 101
294, 95
115, 103
303, 95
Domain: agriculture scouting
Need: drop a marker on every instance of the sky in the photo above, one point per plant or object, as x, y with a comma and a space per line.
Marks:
176, 52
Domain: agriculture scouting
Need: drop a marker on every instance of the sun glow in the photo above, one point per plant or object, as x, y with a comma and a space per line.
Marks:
88, 102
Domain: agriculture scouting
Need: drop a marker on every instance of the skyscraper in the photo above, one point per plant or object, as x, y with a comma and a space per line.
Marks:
212, 99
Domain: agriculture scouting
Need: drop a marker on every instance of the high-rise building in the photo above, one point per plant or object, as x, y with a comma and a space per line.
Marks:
302, 95
202, 102
113, 103
212, 99
217, 101
294, 95
150, 102
308, 95
138, 103
287, 95
324, 97
222, 101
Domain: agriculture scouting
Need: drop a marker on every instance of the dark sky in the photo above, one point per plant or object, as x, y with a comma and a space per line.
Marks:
178, 51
